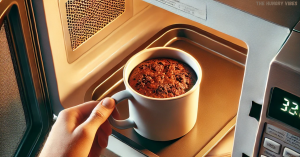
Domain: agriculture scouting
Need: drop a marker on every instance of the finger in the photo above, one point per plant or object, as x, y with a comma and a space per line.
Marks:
84, 109
102, 138
74, 116
98, 116
106, 128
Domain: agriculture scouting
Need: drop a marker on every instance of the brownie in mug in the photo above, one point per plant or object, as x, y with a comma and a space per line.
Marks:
162, 78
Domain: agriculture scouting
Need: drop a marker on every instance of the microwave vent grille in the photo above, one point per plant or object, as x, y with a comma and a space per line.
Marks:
85, 18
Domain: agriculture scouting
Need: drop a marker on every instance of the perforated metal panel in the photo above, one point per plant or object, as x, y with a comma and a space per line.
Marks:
85, 18
85, 23
12, 118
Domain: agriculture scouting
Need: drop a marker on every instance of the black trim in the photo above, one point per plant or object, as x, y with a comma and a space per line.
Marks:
37, 14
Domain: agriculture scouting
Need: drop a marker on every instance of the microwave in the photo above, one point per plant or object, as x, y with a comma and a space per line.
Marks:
61, 53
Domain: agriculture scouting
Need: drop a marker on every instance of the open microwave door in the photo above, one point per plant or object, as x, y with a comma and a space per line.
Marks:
25, 112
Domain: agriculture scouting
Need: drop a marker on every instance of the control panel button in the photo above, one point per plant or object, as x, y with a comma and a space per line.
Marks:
283, 136
290, 153
272, 145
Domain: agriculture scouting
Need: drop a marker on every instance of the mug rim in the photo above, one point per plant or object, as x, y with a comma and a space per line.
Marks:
199, 78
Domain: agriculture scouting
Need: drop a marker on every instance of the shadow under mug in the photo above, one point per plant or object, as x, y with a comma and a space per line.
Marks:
159, 119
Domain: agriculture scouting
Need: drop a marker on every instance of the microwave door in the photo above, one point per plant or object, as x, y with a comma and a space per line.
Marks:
25, 111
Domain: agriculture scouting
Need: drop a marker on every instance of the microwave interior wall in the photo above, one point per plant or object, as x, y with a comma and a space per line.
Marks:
73, 73
77, 79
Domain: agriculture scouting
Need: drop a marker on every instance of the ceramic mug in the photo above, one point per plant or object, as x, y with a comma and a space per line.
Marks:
159, 119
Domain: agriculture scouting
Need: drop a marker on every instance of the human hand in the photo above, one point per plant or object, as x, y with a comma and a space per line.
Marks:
81, 131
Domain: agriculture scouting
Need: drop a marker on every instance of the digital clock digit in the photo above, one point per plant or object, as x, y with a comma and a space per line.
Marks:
293, 110
284, 107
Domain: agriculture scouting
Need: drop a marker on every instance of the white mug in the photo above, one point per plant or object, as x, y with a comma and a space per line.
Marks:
159, 119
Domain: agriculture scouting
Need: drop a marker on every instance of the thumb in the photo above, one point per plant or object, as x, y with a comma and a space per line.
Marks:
99, 115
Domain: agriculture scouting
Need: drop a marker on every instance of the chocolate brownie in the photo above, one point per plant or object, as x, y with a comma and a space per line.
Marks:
162, 78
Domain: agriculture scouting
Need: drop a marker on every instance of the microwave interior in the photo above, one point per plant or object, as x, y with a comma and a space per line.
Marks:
221, 57
82, 46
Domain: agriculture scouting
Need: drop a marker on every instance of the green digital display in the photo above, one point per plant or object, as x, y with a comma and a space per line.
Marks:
284, 107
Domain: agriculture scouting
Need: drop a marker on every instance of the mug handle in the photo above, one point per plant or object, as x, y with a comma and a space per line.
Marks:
121, 124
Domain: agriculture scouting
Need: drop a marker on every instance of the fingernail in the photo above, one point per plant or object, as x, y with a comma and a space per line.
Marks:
107, 103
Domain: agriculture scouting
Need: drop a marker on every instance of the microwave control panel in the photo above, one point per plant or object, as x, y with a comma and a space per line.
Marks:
277, 140
279, 125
